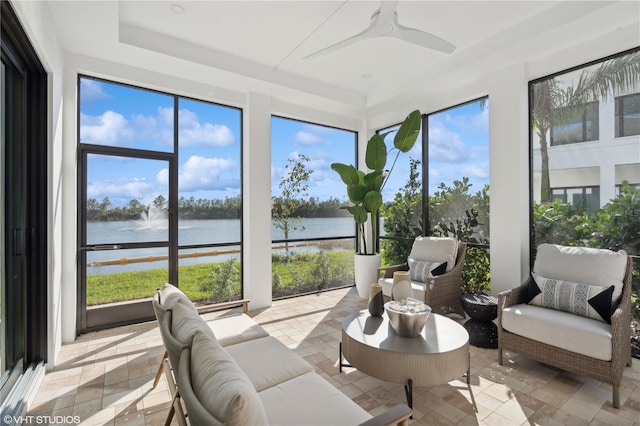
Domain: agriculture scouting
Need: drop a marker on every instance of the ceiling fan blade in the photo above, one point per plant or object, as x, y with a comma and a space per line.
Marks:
387, 11
367, 33
424, 39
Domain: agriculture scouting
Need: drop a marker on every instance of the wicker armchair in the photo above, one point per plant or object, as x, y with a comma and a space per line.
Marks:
444, 294
617, 334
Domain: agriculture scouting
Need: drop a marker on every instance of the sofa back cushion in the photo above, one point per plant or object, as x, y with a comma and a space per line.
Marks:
435, 249
221, 387
164, 298
169, 294
185, 322
596, 267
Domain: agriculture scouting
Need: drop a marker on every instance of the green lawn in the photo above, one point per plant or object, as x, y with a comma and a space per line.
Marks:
298, 274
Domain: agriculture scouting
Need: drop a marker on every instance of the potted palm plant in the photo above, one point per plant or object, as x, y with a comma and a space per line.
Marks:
365, 193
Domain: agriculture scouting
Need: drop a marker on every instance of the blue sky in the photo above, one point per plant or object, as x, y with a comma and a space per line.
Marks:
209, 148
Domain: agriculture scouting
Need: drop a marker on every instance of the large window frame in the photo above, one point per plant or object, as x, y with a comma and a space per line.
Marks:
401, 244
620, 129
564, 223
139, 310
331, 240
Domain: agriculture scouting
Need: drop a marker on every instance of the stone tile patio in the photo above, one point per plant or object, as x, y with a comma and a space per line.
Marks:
106, 377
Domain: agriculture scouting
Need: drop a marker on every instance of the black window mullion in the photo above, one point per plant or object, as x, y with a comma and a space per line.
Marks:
173, 198
426, 227
621, 117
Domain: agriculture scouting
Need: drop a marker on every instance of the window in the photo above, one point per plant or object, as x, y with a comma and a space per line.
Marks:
448, 173
457, 184
313, 239
458, 165
575, 124
161, 195
582, 199
627, 119
619, 189
571, 187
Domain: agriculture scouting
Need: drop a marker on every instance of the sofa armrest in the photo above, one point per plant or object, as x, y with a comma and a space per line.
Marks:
621, 325
389, 270
225, 305
513, 296
397, 415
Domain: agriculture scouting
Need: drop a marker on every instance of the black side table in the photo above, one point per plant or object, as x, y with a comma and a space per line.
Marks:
482, 309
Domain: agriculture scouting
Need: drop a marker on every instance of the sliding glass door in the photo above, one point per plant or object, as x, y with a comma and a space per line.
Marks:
125, 246
160, 201
23, 210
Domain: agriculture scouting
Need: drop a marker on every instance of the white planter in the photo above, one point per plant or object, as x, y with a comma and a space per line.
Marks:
366, 272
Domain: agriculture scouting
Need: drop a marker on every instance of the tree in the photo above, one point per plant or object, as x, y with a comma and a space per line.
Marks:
403, 218
104, 208
553, 103
93, 209
160, 202
293, 186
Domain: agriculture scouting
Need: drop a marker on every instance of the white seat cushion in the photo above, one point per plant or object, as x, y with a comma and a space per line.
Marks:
310, 400
231, 329
563, 330
268, 362
227, 329
419, 288
435, 249
591, 266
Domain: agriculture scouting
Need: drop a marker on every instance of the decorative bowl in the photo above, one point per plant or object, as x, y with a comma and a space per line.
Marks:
407, 317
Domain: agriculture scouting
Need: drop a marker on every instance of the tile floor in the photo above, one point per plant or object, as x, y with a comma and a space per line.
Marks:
105, 378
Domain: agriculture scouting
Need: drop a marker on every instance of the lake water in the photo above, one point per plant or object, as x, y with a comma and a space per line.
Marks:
209, 231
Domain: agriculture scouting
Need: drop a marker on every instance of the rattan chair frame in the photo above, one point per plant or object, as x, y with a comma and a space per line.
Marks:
444, 297
606, 371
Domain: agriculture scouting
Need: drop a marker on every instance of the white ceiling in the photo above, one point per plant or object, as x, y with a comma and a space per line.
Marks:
260, 45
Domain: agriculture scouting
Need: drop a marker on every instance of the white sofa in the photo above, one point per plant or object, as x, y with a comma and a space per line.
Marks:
229, 370
573, 313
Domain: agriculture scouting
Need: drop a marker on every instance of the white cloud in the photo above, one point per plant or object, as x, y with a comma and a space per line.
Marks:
478, 122
481, 172
192, 132
307, 138
157, 128
200, 173
445, 145
110, 128
91, 90
317, 129
120, 188
434, 172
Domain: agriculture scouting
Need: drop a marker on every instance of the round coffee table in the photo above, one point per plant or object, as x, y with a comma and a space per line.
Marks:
438, 355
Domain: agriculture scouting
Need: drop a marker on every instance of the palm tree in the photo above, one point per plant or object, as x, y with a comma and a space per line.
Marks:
554, 104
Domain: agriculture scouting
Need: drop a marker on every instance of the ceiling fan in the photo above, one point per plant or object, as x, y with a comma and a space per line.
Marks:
384, 23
